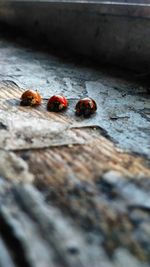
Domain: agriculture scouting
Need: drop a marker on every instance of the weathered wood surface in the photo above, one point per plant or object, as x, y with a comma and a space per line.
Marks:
69, 195
102, 189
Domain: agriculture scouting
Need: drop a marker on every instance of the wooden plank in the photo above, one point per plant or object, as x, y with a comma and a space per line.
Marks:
85, 151
44, 237
101, 189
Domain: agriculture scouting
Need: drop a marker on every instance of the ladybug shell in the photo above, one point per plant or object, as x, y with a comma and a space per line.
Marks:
57, 103
30, 98
86, 107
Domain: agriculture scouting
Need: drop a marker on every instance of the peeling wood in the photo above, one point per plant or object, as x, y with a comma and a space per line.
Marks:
93, 204
46, 238
85, 162
118, 93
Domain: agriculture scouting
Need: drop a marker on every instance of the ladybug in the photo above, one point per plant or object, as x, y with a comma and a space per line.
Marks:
85, 107
30, 98
57, 103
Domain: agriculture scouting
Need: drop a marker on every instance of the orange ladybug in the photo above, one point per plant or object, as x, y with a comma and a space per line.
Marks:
30, 98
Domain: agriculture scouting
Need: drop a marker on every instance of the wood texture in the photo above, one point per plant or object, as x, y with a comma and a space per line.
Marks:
93, 205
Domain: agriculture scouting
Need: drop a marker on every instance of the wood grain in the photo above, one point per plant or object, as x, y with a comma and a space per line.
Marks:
93, 192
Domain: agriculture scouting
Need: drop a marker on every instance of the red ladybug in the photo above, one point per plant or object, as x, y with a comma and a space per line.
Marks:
30, 98
57, 103
85, 107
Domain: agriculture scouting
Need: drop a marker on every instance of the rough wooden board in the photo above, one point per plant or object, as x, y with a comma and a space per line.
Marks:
103, 189
43, 236
106, 192
85, 152
123, 100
